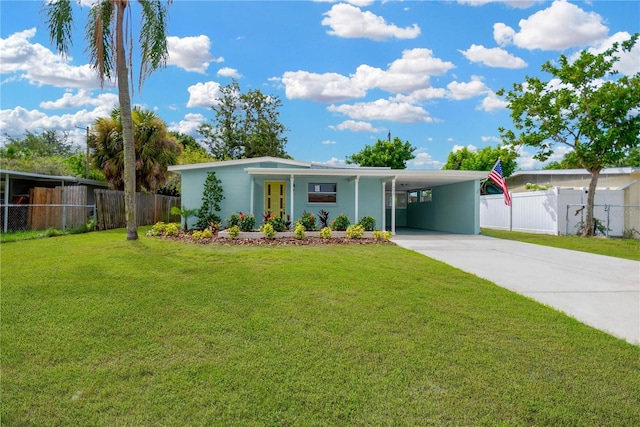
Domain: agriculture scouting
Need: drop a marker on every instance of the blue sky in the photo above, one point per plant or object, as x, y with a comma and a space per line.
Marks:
348, 73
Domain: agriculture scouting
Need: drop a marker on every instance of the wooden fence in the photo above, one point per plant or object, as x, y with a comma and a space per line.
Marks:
52, 207
150, 208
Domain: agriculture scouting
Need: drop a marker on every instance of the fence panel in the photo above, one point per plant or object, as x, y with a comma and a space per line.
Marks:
150, 208
535, 212
16, 217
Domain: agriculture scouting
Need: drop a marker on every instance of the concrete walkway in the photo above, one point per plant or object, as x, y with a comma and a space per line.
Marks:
600, 291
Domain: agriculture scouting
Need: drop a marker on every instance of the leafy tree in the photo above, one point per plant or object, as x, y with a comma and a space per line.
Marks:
483, 159
211, 198
384, 153
108, 53
155, 149
583, 107
48, 143
246, 125
570, 161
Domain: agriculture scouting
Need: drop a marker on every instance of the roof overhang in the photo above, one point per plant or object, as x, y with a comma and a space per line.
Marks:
42, 177
405, 179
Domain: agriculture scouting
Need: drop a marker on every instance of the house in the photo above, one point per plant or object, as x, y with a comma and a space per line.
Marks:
426, 199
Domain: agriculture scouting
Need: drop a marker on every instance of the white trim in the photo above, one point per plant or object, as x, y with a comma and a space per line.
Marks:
292, 185
252, 195
209, 165
357, 181
393, 206
384, 207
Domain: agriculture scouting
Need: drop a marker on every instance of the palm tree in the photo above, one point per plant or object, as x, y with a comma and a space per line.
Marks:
155, 149
103, 46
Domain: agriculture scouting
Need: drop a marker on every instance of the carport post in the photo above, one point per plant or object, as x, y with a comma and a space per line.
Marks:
292, 187
384, 211
357, 181
251, 194
393, 205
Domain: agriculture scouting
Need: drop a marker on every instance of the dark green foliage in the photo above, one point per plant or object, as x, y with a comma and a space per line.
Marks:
340, 223
277, 223
211, 198
308, 221
483, 159
384, 154
323, 216
246, 222
368, 223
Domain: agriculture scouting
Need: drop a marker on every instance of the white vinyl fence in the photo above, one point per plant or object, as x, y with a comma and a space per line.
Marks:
557, 211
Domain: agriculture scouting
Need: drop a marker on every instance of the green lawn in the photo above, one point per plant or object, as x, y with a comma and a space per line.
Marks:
620, 248
97, 331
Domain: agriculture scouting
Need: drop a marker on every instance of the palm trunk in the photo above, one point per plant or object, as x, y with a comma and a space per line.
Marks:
122, 73
591, 195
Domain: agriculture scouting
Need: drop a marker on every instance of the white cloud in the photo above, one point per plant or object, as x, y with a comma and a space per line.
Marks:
204, 95
629, 63
328, 87
421, 95
526, 161
351, 22
229, 72
190, 53
519, 4
490, 139
423, 160
383, 109
475, 87
328, 142
561, 26
355, 126
360, 3
41, 66
334, 161
503, 34
469, 147
189, 125
80, 99
493, 57
491, 103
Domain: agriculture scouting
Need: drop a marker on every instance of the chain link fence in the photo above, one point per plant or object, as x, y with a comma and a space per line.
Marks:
609, 220
32, 217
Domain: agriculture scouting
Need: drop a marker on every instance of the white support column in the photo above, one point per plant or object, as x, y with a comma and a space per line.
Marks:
251, 194
292, 187
384, 209
357, 181
393, 206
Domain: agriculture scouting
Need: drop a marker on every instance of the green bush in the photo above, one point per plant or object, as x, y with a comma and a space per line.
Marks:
308, 220
200, 235
299, 231
325, 233
234, 231
157, 229
340, 223
277, 223
172, 229
269, 231
246, 222
368, 222
355, 232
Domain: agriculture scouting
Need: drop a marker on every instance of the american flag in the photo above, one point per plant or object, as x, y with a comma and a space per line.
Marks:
496, 176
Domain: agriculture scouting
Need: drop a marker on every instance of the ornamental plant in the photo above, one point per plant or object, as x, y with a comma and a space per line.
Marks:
277, 223
325, 233
368, 222
269, 231
308, 220
381, 235
355, 231
234, 231
299, 231
157, 229
340, 223
171, 229
201, 235
234, 219
323, 216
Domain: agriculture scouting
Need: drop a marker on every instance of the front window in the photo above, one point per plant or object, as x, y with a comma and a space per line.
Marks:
323, 193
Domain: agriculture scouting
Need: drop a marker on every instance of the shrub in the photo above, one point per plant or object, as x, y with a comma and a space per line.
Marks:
200, 235
234, 219
368, 223
325, 233
172, 229
211, 198
355, 232
299, 231
308, 220
277, 223
234, 231
157, 229
340, 223
246, 222
269, 231
381, 235
323, 216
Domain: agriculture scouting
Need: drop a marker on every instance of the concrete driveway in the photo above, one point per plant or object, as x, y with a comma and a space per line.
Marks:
600, 291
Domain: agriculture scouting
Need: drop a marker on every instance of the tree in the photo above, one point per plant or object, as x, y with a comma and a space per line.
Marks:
483, 159
48, 143
108, 53
384, 153
583, 107
154, 149
211, 198
245, 125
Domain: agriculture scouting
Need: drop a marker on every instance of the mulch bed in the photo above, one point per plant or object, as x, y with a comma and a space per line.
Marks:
277, 241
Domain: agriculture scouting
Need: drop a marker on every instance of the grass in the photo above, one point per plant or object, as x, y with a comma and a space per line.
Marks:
620, 248
98, 331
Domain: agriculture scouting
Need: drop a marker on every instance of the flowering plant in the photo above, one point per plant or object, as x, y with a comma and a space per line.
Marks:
308, 220
340, 223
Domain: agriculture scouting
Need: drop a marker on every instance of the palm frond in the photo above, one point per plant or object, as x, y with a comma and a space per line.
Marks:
153, 37
100, 39
59, 19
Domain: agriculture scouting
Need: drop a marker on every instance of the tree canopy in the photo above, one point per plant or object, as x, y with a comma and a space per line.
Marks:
584, 107
384, 153
483, 159
245, 125
155, 149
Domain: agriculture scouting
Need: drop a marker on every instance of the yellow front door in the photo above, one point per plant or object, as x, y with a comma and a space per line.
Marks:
274, 198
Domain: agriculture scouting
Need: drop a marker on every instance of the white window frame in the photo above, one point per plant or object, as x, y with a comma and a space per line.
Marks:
317, 187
